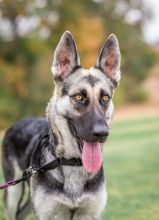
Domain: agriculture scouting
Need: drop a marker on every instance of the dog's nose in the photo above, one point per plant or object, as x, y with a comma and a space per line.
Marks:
100, 131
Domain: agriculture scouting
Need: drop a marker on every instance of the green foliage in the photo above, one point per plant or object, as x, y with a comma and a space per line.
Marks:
139, 95
17, 63
137, 57
120, 96
25, 59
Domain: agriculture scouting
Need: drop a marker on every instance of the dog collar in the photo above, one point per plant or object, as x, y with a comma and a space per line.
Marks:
58, 161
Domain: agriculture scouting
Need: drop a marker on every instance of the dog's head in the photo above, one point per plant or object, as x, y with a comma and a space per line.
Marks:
84, 96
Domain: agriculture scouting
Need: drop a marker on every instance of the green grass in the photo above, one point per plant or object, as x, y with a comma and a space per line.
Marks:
131, 160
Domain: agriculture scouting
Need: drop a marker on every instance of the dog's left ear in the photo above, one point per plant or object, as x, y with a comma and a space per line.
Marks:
66, 58
109, 59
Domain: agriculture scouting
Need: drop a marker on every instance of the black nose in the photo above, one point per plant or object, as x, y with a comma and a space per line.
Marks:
100, 131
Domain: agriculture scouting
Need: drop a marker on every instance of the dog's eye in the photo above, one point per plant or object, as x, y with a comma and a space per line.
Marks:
105, 98
78, 98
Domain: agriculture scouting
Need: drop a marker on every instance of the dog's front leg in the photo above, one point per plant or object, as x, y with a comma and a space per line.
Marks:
82, 214
84, 217
61, 215
92, 205
46, 205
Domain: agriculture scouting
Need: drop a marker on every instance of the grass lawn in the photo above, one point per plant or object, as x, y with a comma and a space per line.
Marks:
131, 160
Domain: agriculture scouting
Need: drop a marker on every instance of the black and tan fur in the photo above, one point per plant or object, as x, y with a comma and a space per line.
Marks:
66, 193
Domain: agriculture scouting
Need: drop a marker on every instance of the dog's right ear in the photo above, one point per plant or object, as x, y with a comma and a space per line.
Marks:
66, 58
109, 59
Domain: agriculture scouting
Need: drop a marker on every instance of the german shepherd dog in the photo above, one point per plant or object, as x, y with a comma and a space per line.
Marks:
78, 118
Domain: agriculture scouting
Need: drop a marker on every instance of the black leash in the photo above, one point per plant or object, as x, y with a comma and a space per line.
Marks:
59, 161
49, 166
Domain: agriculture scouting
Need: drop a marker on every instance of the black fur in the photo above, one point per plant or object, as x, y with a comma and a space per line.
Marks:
16, 143
92, 80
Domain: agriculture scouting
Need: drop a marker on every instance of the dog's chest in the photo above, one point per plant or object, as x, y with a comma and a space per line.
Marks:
72, 178
70, 190
59, 205
51, 201
74, 181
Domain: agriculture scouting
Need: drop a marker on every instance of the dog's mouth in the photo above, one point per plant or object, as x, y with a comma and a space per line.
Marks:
92, 156
91, 151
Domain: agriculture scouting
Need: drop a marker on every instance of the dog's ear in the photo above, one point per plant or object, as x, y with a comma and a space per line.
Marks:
66, 58
109, 59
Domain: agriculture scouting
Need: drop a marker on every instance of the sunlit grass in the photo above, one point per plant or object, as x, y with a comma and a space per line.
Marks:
131, 167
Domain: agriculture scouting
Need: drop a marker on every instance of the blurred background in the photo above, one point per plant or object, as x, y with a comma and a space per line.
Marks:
29, 33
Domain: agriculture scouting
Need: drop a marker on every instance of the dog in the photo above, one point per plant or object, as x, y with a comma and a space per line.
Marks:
78, 118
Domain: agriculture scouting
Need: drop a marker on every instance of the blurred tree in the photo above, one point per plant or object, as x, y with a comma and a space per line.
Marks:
22, 44
125, 18
29, 30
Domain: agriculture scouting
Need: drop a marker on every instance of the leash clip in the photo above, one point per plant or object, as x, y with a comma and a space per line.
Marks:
28, 172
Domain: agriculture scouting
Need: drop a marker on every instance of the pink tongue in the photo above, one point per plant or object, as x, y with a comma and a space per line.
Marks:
92, 157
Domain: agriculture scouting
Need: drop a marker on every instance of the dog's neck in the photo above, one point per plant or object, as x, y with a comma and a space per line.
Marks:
67, 145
